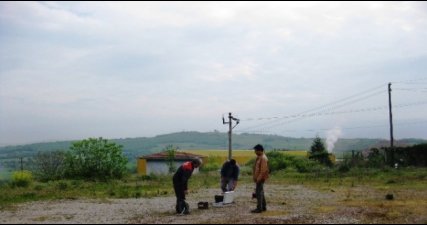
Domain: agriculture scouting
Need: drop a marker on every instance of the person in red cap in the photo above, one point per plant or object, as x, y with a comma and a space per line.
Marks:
180, 181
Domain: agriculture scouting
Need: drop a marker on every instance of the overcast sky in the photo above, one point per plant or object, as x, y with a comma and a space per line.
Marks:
73, 70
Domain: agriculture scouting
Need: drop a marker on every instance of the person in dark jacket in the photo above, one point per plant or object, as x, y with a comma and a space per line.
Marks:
180, 182
229, 175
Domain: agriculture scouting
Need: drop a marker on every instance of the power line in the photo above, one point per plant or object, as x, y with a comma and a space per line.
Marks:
328, 109
412, 89
304, 114
348, 128
325, 108
361, 110
326, 105
413, 81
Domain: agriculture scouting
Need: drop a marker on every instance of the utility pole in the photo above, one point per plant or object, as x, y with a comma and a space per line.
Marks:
230, 128
391, 124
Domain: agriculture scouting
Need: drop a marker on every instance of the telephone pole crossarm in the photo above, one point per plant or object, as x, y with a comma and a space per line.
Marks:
230, 128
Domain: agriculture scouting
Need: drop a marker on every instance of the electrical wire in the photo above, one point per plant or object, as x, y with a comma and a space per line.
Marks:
304, 114
368, 109
328, 109
348, 128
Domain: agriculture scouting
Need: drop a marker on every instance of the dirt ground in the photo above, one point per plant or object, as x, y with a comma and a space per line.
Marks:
286, 204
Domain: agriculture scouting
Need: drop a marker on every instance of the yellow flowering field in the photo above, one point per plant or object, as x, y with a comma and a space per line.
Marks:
241, 156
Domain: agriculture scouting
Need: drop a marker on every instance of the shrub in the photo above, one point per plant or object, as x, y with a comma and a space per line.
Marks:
212, 163
304, 165
278, 161
22, 178
375, 159
212, 166
95, 159
62, 185
319, 153
343, 168
49, 165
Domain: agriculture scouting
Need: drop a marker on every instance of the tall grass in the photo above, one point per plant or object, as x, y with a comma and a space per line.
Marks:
5, 175
131, 187
161, 185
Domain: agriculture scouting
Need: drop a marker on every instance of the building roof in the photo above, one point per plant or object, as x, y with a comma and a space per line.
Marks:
178, 156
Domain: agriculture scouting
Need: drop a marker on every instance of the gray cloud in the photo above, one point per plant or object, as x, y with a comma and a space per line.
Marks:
72, 70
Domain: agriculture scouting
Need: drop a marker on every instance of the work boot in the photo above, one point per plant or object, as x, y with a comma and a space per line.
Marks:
256, 211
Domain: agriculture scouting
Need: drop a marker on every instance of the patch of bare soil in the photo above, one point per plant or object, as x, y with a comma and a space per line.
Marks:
286, 205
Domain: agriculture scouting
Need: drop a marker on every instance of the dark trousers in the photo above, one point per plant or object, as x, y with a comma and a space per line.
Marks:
261, 203
180, 197
227, 184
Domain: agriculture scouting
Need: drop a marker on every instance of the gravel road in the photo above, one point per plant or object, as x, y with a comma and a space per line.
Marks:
286, 204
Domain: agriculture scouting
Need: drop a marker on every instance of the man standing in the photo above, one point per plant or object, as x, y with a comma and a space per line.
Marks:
180, 181
229, 175
260, 175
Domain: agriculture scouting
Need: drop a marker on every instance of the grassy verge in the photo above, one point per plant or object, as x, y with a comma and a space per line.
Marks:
382, 181
132, 187
411, 178
365, 191
5, 175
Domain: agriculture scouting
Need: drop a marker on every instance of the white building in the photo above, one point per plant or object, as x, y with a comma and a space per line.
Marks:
158, 163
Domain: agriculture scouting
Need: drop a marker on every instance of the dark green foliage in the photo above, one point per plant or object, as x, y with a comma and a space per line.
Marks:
318, 152
375, 159
171, 158
49, 165
304, 165
62, 185
95, 159
133, 147
355, 159
278, 161
410, 156
317, 146
344, 168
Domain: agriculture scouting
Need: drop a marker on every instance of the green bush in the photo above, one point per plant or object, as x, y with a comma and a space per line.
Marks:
96, 159
211, 166
304, 165
278, 161
319, 153
49, 165
62, 185
22, 178
343, 168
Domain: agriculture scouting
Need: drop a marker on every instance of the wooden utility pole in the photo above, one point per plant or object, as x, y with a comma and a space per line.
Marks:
229, 135
230, 128
391, 125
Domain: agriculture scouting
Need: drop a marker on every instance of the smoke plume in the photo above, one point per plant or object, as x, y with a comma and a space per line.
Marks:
332, 138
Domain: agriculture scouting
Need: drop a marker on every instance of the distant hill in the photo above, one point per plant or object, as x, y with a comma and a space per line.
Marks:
134, 147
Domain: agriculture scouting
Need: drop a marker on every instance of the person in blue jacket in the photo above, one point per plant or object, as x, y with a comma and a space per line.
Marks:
229, 175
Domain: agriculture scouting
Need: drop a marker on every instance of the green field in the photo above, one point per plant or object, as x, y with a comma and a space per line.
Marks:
241, 156
5, 175
317, 197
